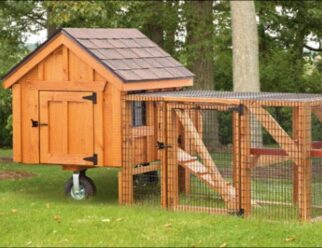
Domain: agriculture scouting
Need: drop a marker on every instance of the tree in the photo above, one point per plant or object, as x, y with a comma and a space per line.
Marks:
245, 46
200, 58
245, 55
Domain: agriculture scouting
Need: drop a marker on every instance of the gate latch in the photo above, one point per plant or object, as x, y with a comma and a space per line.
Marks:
37, 124
161, 145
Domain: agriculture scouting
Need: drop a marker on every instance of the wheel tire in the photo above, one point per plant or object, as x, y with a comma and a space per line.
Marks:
86, 188
83, 174
90, 180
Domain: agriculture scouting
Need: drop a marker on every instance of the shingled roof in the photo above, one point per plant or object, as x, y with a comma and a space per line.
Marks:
129, 54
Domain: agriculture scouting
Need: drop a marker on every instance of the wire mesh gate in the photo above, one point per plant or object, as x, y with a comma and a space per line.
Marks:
248, 156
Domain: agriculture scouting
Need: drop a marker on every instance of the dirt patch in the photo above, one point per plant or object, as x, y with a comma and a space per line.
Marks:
5, 159
13, 175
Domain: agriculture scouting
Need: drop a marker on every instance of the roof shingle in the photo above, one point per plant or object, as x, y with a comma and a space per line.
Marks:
129, 54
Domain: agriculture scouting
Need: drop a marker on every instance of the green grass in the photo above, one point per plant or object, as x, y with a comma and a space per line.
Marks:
35, 212
5, 153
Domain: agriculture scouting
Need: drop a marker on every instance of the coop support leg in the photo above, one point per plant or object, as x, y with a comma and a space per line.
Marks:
245, 158
76, 175
305, 166
295, 131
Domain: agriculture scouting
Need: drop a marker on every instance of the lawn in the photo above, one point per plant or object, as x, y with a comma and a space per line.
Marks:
35, 212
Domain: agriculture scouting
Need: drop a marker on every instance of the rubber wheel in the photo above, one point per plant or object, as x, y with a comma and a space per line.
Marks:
83, 174
86, 189
90, 180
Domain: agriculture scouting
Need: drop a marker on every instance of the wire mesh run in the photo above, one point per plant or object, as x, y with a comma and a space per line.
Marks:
200, 163
245, 154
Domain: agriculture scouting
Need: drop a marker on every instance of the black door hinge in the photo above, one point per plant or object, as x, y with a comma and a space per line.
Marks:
161, 145
92, 98
92, 159
239, 109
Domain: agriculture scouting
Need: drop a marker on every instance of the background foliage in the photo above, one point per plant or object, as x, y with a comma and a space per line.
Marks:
288, 63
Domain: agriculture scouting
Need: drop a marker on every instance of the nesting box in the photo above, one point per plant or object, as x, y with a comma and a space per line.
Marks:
67, 94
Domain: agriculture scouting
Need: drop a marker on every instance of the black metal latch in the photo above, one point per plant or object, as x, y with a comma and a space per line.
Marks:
92, 98
161, 145
37, 124
239, 109
92, 159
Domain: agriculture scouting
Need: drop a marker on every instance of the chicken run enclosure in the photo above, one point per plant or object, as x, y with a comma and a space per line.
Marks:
249, 154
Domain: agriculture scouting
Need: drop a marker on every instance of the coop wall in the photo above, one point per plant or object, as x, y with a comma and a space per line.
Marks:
64, 68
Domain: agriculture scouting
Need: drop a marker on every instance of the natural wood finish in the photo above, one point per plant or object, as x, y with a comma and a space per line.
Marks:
68, 137
67, 85
113, 129
33, 61
16, 122
189, 208
226, 191
162, 153
127, 196
172, 173
99, 128
305, 165
295, 133
143, 131
65, 63
162, 84
245, 162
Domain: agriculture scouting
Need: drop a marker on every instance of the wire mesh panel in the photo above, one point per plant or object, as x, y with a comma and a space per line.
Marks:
225, 152
200, 159
272, 170
140, 177
316, 163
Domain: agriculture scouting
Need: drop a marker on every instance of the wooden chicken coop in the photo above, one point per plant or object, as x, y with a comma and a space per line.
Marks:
90, 98
67, 96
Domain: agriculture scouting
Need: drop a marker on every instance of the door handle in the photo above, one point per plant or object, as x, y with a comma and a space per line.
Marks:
37, 124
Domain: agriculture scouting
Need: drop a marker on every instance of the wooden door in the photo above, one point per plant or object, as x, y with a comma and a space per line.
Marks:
67, 128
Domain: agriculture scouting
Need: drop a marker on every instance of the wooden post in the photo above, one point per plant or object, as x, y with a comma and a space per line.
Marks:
172, 161
305, 166
161, 133
126, 178
236, 156
245, 158
295, 131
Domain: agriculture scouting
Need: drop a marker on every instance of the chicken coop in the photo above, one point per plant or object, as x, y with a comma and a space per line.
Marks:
248, 154
67, 98
92, 98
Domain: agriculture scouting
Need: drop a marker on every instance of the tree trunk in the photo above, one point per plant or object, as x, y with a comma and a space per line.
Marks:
200, 33
51, 28
152, 27
245, 55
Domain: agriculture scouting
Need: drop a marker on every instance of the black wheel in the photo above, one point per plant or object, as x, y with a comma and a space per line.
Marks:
90, 180
86, 189
83, 174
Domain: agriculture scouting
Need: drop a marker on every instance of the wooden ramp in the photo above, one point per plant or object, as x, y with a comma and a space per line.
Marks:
206, 171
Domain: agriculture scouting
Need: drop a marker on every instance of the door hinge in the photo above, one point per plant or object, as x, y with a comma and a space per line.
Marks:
239, 109
161, 145
92, 98
92, 159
